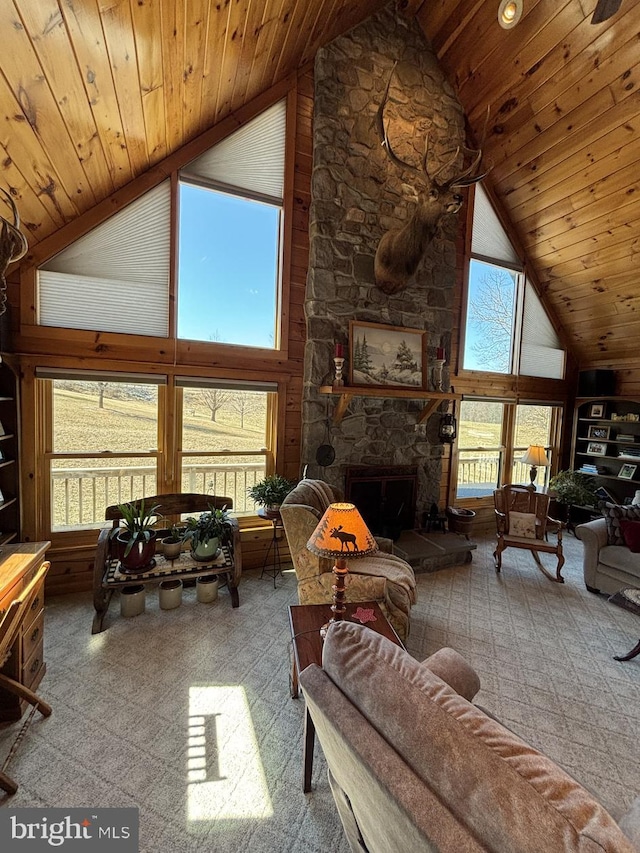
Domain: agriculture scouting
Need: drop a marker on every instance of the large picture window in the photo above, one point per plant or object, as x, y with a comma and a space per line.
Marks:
226, 446
228, 268
480, 448
104, 447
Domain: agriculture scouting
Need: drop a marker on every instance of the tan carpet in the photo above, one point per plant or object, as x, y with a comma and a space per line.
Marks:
186, 713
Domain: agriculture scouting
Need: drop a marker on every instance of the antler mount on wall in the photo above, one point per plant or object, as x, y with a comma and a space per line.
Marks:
13, 246
400, 250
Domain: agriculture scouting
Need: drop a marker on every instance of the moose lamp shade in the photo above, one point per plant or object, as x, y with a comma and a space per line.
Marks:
537, 458
341, 533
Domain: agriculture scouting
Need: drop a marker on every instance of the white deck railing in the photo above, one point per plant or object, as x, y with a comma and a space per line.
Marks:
81, 495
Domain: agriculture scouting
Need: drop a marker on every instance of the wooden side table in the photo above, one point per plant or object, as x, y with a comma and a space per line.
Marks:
305, 621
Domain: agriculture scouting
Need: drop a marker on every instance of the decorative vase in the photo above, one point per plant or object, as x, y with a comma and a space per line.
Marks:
170, 594
207, 589
206, 551
132, 600
140, 557
272, 511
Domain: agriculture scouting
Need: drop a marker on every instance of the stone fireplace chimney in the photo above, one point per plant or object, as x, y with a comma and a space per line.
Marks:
357, 195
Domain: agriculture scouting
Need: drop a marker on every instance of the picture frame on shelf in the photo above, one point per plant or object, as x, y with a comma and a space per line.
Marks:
627, 471
596, 410
599, 432
596, 448
604, 495
382, 356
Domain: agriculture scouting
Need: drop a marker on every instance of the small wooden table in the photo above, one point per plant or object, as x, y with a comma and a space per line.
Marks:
305, 621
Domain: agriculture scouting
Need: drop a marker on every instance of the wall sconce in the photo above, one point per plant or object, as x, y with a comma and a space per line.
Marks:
509, 13
448, 428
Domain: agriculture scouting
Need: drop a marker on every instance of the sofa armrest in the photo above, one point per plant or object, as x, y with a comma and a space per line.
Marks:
594, 537
453, 669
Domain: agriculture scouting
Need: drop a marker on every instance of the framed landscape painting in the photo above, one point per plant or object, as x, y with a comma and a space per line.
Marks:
386, 356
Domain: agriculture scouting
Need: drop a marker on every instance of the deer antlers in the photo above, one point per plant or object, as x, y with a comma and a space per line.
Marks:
13, 246
400, 251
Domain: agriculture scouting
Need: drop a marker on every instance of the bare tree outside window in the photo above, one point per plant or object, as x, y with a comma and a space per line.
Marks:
491, 316
215, 399
245, 403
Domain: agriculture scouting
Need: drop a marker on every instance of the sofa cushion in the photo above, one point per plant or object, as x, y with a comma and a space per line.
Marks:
509, 795
631, 534
613, 514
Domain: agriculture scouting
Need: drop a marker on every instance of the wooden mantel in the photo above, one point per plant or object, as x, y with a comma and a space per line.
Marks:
345, 394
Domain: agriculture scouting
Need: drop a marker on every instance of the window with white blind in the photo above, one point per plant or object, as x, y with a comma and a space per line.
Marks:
230, 227
116, 277
507, 329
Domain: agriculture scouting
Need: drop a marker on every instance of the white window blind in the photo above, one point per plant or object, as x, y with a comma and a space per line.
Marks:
251, 158
116, 277
225, 384
541, 353
100, 376
489, 238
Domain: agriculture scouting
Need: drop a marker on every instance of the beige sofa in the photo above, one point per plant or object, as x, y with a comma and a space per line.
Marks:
607, 568
415, 766
381, 577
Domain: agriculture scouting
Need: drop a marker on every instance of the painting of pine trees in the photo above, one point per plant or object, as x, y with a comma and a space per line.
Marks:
386, 355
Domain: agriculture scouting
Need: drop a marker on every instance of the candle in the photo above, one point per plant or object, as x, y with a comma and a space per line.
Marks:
338, 353
440, 355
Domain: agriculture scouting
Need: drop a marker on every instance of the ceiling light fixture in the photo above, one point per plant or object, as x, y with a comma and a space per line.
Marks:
509, 13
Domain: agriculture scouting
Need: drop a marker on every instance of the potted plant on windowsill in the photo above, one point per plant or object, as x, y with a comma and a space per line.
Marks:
207, 532
573, 489
270, 492
136, 537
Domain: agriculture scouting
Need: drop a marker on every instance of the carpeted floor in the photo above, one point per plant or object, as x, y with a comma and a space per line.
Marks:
187, 715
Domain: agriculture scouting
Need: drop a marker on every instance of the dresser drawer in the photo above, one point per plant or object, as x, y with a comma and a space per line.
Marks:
36, 606
32, 635
33, 668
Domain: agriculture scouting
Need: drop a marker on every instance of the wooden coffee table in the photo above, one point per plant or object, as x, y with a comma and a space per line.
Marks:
305, 621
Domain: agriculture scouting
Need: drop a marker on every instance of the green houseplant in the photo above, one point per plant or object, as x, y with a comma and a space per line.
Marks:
270, 492
207, 531
573, 488
172, 543
136, 537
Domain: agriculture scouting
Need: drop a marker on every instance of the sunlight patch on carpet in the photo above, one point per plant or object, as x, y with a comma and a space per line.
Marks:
225, 775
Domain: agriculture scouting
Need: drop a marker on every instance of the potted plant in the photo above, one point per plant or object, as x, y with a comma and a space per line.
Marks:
172, 544
207, 532
573, 488
270, 492
136, 537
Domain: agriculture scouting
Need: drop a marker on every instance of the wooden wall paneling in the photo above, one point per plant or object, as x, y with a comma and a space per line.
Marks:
196, 30
251, 32
34, 216
264, 33
84, 345
291, 20
214, 52
147, 22
172, 15
326, 17
118, 31
87, 40
231, 57
50, 39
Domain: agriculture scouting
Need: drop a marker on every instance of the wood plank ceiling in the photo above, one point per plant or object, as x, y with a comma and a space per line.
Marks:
564, 143
94, 92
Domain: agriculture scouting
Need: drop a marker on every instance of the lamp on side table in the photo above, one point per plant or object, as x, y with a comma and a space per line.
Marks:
343, 526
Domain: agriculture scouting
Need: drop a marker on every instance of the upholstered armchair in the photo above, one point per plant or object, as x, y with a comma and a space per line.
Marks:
382, 577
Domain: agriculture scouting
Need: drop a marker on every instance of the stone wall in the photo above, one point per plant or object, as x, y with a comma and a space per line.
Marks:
357, 195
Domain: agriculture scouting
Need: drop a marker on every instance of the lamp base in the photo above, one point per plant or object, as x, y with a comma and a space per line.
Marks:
338, 607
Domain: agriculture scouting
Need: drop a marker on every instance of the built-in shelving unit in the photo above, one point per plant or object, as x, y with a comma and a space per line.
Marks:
604, 428
9, 456
346, 394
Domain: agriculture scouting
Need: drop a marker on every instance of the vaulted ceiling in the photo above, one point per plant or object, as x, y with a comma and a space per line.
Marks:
94, 92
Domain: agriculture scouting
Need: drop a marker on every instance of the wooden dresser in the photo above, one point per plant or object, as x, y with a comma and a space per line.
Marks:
18, 565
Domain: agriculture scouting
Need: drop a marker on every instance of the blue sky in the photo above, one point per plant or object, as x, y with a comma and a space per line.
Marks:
474, 331
228, 267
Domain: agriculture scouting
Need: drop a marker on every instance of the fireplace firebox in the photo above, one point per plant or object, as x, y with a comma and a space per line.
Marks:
385, 497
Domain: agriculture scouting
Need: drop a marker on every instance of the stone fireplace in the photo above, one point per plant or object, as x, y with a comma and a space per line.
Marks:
357, 195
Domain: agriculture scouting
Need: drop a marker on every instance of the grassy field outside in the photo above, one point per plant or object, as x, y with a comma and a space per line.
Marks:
129, 423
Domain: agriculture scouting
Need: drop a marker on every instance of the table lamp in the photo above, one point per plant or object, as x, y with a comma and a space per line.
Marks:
341, 533
537, 458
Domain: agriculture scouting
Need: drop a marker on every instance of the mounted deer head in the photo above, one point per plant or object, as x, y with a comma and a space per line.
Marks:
13, 246
400, 250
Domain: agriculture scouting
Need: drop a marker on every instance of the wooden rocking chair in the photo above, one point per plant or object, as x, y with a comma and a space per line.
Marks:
522, 521
10, 623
